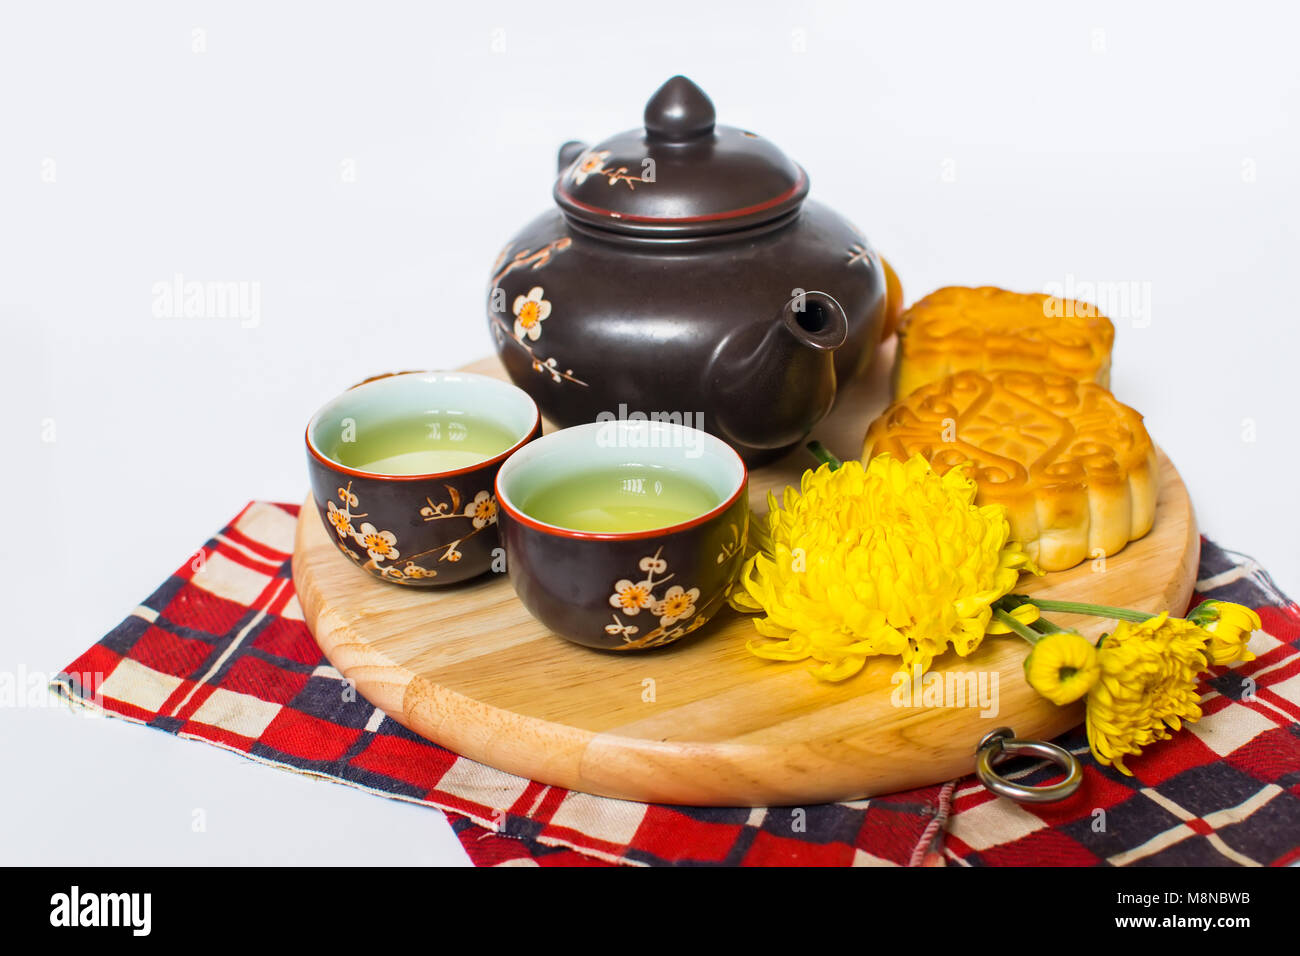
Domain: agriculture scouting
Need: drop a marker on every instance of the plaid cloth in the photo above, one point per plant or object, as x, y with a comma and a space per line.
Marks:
220, 653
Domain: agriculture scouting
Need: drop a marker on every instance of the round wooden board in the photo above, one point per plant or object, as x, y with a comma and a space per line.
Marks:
704, 722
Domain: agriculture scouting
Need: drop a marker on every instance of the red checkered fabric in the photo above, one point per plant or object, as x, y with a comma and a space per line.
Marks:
220, 653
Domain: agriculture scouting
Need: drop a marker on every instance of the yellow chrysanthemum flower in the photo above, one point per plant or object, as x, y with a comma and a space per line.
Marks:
888, 558
1063, 666
1229, 626
1147, 685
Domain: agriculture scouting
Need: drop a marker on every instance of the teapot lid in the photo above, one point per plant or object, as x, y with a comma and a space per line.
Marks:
682, 175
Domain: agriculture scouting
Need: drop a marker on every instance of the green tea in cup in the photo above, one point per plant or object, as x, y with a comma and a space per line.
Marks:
620, 498
422, 423
424, 444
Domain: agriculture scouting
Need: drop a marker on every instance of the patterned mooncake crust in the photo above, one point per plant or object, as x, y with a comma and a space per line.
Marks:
1075, 468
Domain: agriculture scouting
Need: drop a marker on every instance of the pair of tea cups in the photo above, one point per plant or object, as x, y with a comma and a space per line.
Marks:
620, 534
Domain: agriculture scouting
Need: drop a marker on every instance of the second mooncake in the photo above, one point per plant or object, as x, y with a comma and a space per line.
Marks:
1075, 468
986, 328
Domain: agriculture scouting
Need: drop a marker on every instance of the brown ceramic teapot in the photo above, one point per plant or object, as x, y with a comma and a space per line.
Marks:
686, 276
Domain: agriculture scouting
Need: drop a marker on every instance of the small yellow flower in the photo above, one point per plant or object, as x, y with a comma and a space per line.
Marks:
886, 558
1062, 666
1149, 673
1026, 614
1229, 626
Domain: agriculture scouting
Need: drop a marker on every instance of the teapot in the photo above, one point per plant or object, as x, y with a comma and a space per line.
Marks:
685, 276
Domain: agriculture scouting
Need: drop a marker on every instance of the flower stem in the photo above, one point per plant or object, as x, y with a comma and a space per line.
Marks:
1031, 636
1044, 626
823, 454
1096, 610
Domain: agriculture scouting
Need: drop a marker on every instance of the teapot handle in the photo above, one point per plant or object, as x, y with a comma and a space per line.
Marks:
568, 153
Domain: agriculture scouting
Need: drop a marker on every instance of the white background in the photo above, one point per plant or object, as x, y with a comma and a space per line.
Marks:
1017, 145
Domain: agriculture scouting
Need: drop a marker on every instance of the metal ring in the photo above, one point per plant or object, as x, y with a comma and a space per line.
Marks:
1001, 744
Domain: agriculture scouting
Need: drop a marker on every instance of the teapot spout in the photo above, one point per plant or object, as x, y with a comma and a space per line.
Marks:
773, 380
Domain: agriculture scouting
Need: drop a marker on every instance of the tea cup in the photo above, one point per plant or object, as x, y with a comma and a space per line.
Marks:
402, 469
624, 535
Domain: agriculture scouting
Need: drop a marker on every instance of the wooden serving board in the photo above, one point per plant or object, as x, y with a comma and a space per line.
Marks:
703, 722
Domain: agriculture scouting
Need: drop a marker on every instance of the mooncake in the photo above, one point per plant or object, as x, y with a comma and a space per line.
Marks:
958, 328
893, 301
1075, 468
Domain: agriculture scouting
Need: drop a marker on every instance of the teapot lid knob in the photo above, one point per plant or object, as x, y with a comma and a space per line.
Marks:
679, 111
